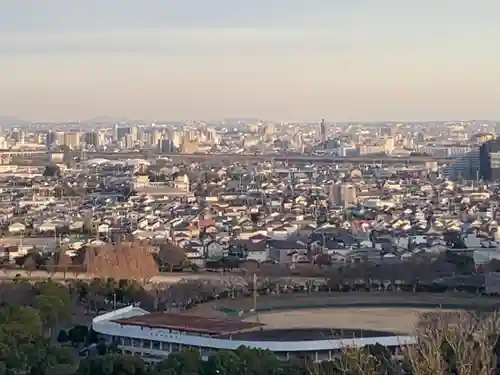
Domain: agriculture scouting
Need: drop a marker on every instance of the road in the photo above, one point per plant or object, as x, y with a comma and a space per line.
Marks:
7, 275
388, 160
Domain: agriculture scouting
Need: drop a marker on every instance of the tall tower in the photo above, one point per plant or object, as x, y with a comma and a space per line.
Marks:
134, 132
115, 133
322, 131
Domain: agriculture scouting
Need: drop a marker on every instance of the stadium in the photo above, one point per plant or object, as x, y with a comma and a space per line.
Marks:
292, 326
153, 336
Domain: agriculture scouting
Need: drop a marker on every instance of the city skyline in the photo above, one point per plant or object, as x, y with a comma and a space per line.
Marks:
367, 61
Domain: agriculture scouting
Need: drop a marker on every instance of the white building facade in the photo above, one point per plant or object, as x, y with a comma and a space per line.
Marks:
155, 344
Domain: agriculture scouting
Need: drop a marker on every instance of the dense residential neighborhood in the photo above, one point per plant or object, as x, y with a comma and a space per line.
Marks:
256, 213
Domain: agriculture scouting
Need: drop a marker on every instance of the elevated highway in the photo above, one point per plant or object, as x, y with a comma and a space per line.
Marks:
290, 158
243, 158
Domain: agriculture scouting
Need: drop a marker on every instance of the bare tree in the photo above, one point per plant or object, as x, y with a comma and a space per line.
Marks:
250, 266
126, 260
170, 256
271, 276
472, 339
458, 342
333, 279
274, 270
306, 270
63, 260
235, 284
29, 264
412, 273
426, 357
358, 361
323, 260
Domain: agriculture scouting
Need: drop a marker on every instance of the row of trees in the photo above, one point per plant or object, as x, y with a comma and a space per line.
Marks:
82, 297
115, 264
404, 276
136, 260
106, 293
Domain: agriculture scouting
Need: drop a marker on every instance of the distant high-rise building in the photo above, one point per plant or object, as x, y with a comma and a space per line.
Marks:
466, 166
72, 140
489, 160
342, 194
176, 137
389, 145
384, 131
22, 137
155, 137
322, 131
394, 131
91, 138
166, 145
3, 144
129, 141
420, 137
16, 135
188, 146
50, 139
211, 136
60, 138
121, 132
115, 133
269, 131
102, 138
299, 142
134, 132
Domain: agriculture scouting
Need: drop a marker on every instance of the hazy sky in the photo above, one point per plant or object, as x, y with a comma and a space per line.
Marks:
276, 59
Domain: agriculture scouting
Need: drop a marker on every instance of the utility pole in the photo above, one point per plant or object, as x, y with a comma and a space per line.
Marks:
255, 296
254, 292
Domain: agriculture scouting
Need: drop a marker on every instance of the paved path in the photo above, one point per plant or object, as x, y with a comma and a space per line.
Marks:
161, 278
166, 278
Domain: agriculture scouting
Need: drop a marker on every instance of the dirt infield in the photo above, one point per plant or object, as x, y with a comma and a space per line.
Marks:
392, 312
396, 320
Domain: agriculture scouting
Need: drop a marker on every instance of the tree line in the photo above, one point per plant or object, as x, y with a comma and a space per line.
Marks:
140, 260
